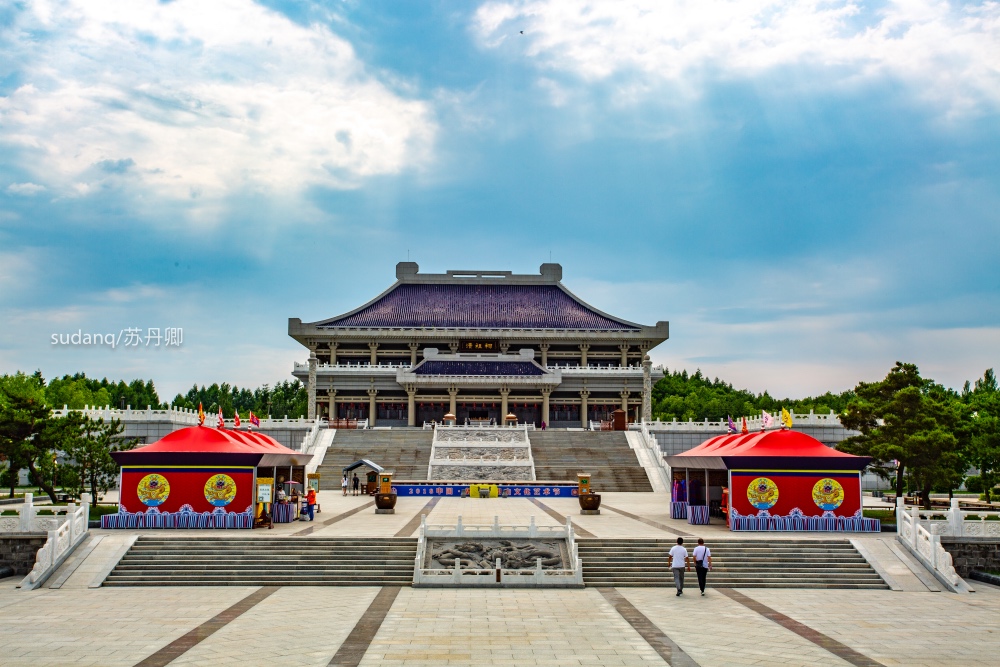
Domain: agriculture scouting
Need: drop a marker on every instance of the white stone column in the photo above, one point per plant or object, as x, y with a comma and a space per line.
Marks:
545, 405
583, 408
625, 393
647, 389
583, 353
372, 410
411, 405
413, 355
374, 349
333, 353
333, 404
624, 348
544, 349
504, 392
453, 398
311, 384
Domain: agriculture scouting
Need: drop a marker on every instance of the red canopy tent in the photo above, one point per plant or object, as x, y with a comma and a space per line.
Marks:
777, 480
196, 477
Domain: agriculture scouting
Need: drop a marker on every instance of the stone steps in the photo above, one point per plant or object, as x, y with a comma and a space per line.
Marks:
405, 452
824, 564
560, 455
289, 561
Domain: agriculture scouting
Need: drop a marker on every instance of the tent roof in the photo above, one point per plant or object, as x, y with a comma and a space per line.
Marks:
211, 446
784, 448
364, 462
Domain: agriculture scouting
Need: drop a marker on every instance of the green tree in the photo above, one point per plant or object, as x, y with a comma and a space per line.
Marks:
88, 454
681, 396
26, 427
983, 451
909, 425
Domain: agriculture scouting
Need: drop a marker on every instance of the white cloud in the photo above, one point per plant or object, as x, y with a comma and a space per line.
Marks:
196, 101
26, 189
951, 53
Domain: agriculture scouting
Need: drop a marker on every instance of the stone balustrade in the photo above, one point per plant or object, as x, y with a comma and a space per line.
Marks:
926, 547
64, 530
956, 522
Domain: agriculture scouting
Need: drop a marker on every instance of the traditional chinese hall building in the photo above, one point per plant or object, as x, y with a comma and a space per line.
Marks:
478, 344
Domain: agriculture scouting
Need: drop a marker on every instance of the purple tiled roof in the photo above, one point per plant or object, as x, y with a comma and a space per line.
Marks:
479, 306
477, 368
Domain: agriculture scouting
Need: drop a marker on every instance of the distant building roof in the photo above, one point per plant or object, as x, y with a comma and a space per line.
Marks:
475, 367
476, 305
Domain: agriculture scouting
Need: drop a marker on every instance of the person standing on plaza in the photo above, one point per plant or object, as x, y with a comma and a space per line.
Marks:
357, 484
343, 483
702, 563
679, 561
311, 502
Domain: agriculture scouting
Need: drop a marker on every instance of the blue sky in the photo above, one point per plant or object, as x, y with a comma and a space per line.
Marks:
807, 191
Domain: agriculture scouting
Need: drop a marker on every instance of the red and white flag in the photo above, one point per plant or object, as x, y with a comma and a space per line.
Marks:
254, 420
236, 419
222, 422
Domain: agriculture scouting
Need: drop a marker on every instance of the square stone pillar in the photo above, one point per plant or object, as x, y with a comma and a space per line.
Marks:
411, 406
647, 389
453, 402
545, 405
504, 392
372, 410
413, 354
624, 348
583, 408
544, 348
374, 350
583, 354
311, 385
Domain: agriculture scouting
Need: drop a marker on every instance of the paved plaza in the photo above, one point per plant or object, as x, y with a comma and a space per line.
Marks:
78, 623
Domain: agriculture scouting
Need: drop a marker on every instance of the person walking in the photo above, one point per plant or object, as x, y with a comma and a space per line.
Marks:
343, 483
679, 562
702, 563
311, 502
357, 484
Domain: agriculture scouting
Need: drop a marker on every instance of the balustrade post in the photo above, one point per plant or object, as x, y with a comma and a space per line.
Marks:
532, 528
27, 513
459, 528
955, 518
71, 520
915, 523
50, 554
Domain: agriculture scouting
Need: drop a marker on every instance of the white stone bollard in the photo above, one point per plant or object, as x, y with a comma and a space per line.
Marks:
955, 518
27, 513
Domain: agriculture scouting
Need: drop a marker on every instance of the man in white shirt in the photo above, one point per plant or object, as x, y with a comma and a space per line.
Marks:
678, 563
702, 563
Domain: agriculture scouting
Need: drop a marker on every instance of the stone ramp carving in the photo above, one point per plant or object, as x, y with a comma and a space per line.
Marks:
481, 454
